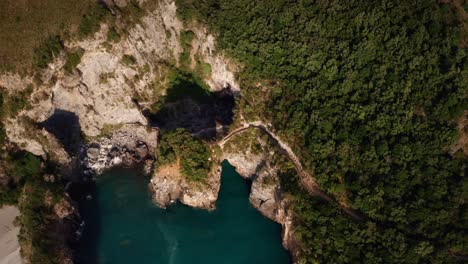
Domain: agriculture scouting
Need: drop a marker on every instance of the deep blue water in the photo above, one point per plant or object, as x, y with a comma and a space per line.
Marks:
124, 226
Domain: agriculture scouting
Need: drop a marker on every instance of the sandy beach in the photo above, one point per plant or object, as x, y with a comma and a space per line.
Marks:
9, 247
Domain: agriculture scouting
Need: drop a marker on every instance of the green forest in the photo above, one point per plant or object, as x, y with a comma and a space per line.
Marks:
369, 93
27, 188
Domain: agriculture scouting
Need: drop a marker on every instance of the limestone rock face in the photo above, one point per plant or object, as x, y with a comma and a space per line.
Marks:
265, 193
101, 91
127, 146
202, 196
107, 94
95, 103
166, 189
64, 208
247, 164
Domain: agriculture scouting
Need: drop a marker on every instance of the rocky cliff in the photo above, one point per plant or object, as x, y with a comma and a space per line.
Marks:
91, 119
254, 158
105, 91
168, 185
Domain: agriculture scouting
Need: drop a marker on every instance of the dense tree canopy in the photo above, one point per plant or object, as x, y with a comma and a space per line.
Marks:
368, 92
192, 153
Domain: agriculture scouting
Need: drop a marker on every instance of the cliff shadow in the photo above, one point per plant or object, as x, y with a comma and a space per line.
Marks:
65, 126
187, 104
86, 194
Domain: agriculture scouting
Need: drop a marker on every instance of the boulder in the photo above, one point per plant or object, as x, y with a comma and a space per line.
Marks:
93, 153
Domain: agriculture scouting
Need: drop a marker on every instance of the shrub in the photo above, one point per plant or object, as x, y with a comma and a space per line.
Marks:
90, 23
45, 53
193, 154
113, 35
128, 60
12, 104
186, 38
73, 59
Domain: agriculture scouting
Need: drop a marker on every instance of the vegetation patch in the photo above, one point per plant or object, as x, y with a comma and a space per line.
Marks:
186, 38
90, 22
346, 84
108, 129
104, 77
27, 188
181, 85
12, 104
193, 154
128, 60
72, 60
113, 35
47, 51
18, 166
29, 23
247, 141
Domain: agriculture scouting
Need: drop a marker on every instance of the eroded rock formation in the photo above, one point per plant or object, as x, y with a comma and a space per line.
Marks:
265, 193
169, 185
92, 119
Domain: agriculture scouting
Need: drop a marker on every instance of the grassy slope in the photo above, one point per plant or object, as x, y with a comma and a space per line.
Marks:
27, 23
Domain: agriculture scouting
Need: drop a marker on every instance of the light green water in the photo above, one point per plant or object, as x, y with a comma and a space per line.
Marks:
124, 226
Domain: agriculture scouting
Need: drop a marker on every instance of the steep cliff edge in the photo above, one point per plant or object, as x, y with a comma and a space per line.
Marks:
256, 158
169, 185
112, 80
92, 118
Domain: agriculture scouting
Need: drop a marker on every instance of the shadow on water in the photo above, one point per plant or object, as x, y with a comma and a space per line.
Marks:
189, 105
87, 196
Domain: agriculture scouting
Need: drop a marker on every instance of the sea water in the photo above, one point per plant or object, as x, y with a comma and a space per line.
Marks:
124, 226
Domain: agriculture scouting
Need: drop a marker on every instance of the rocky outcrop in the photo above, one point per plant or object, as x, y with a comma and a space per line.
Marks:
64, 227
222, 73
101, 91
265, 193
169, 185
105, 95
126, 146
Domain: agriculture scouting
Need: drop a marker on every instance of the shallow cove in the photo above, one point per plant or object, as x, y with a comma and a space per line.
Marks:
124, 226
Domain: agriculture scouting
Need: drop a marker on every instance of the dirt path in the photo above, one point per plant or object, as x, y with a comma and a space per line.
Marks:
307, 181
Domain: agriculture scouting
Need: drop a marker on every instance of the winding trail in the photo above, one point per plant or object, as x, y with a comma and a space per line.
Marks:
307, 181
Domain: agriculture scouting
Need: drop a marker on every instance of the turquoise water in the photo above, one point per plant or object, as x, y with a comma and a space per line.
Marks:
124, 226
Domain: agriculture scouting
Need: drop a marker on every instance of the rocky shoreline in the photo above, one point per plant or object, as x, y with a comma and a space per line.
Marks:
266, 194
124, 148
89, 121
127, 146
168, 186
